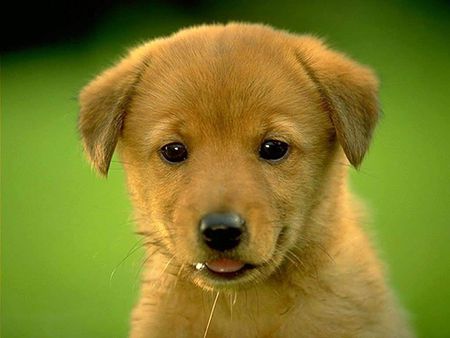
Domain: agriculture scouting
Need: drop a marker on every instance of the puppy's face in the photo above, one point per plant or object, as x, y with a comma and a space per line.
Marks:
227, 134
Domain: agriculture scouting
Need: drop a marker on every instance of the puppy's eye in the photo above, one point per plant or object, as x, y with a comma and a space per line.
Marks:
273, 150
174, 152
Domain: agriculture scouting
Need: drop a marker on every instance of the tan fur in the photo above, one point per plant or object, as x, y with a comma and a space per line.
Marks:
222, 90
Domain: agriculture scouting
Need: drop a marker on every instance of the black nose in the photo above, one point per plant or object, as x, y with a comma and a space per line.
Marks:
222, 231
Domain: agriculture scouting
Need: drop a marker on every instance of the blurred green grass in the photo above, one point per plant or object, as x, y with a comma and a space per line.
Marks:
64, 230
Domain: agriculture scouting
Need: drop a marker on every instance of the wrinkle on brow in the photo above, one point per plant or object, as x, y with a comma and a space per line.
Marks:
163, 132
282, 127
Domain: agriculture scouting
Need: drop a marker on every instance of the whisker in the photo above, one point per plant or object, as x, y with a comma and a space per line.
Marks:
296, 258
321, 248
178, 275
139, 272
291, 260
136, 246
166, 266
231, 309
211, 314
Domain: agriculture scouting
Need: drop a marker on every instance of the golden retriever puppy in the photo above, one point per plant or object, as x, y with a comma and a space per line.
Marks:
236, 141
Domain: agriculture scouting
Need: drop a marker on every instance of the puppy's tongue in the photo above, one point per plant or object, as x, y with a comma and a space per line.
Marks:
224, 265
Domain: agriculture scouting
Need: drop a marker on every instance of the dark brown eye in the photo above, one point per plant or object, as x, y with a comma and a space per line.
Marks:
273, 150
174, 152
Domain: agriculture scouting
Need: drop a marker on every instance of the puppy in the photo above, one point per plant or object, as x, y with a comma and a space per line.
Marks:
236, 141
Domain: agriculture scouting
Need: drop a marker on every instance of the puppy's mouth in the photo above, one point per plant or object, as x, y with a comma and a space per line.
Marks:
224, 268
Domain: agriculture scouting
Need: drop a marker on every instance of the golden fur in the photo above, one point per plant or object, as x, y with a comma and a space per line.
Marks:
221, 90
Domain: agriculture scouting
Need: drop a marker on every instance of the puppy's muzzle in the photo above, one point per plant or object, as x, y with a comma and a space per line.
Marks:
222, 231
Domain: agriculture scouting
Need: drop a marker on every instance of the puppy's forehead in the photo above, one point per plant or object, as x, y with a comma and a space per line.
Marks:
227, 78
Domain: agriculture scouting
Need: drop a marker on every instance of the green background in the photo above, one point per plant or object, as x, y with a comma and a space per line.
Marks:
64, 230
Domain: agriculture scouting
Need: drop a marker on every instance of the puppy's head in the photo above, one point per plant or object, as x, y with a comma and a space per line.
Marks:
228, 135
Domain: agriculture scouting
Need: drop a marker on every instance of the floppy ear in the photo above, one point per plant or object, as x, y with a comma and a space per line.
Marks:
103, 103
349, 94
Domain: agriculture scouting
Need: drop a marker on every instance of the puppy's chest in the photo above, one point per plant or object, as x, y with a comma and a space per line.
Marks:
188, 312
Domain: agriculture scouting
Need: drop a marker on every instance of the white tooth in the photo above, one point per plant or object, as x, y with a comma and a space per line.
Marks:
199, 266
